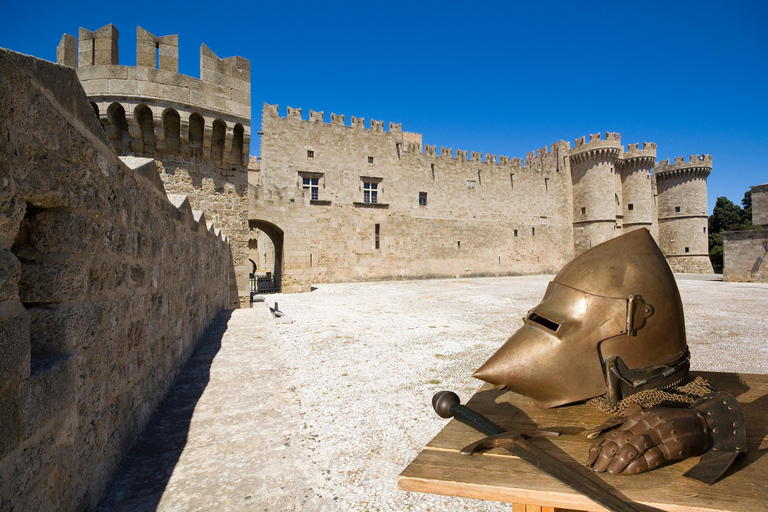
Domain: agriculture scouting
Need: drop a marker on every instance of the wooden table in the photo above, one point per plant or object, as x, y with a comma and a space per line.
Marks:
497, 475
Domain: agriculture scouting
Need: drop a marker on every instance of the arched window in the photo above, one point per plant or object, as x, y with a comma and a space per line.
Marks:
96, 111
237, 145
196, 124
117, 131
172, 130
217, 140
146, 123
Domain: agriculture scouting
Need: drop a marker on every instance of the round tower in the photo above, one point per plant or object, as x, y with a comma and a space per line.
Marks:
635, 167
198, 130
682, 206
596, 197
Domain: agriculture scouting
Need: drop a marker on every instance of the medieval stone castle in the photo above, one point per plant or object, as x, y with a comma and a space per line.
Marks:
131, 214
340, 202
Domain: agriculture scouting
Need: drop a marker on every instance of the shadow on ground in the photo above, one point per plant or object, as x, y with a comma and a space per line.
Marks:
145, 472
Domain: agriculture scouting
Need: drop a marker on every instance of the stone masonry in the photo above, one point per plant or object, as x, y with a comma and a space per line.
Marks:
745, 252
106, 284
198, 130
338, 202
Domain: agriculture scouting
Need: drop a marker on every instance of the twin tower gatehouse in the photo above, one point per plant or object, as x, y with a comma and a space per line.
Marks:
337, 200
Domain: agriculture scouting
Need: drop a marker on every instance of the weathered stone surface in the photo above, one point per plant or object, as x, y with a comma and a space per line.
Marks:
745, 256
120, 285
14, 344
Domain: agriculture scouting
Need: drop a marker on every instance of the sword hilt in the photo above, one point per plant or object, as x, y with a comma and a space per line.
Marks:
447, 404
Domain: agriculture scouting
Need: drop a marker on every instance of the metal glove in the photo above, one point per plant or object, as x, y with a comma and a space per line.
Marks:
648, 439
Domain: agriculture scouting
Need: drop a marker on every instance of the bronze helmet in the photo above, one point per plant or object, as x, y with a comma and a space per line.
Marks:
611, 323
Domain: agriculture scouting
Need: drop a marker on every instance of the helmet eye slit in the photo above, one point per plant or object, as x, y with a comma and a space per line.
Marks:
545, 322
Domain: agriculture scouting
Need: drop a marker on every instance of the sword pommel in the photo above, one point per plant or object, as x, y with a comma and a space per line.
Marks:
442, 402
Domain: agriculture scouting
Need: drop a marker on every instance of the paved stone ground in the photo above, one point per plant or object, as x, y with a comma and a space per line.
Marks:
324, 413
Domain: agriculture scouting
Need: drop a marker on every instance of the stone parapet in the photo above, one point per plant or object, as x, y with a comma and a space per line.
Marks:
108, 285
607, 149
699, 166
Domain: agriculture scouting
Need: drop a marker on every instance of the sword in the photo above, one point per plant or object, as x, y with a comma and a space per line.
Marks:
447, 404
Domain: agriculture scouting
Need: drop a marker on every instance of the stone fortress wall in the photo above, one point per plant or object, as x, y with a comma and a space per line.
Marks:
107, 284
745, 253
198, 130
468, 214
483, 216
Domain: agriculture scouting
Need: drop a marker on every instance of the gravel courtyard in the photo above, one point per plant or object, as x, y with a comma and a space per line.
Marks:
323, 413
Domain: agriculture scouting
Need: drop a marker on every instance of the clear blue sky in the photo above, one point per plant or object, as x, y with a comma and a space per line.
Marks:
497, 77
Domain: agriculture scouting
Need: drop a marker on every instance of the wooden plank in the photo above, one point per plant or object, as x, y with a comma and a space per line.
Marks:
499, 476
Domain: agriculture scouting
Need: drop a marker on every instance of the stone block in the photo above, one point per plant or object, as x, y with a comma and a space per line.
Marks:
116, 86
10, 434
49, 389
64, 232
51, 282
14, 344
60, 331
10, 273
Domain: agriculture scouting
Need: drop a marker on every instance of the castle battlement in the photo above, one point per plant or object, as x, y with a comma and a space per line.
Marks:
596, 149
338, 120
223, 89
696, 166
634, 150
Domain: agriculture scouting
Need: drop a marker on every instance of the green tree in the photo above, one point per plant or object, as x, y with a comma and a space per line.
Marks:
746, 203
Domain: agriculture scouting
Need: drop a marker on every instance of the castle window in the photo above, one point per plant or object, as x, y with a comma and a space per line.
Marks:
172, 129
196, 125
705, 229
218, 136
433, 172
583, 210
458, 244
237, 144
370, 192
370, 160
533, 231
146, 122
515, 232
630, 206
470, 183
310, 154
677, 209
422, 199
376, 235
687, 249
511, 180
311, 185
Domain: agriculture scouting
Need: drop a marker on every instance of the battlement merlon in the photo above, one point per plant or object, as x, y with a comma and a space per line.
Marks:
66, 52
149, 47
98, 48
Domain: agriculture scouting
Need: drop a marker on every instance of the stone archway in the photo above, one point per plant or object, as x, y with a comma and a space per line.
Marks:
265, 249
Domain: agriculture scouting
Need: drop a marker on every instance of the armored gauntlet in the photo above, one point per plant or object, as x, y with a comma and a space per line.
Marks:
650, 437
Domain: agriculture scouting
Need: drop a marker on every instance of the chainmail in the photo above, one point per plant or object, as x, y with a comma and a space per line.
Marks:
681, 393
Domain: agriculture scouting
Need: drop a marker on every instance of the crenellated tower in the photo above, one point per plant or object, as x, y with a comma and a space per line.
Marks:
682, 207
634, 167
596, 190
197, 129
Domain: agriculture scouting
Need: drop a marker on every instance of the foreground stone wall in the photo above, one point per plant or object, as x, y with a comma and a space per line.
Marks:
105, 286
